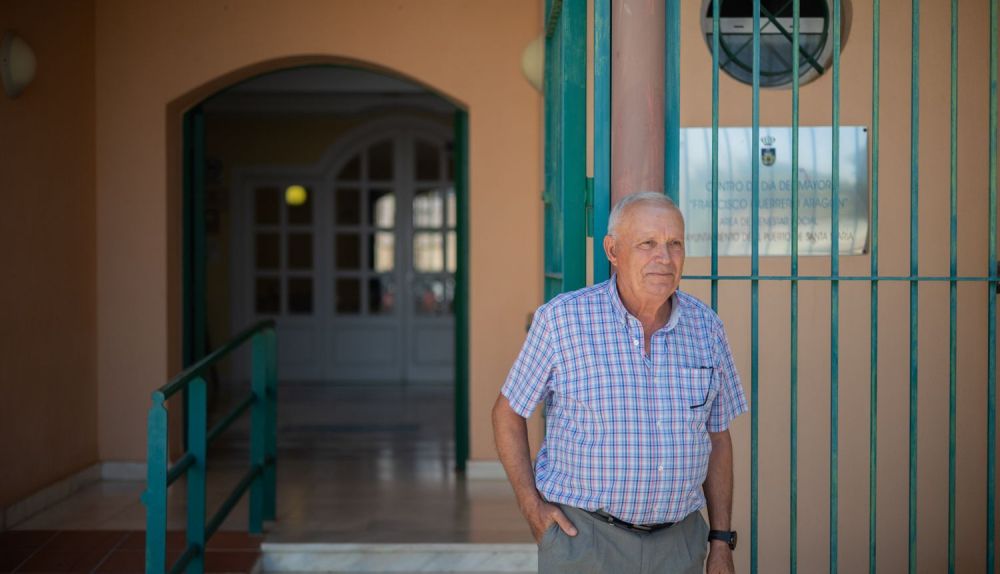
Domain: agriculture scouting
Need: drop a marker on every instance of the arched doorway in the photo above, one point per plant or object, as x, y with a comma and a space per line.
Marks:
362, 270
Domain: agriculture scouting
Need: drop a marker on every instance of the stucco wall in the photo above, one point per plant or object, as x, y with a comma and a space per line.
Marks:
156, 59
48, 385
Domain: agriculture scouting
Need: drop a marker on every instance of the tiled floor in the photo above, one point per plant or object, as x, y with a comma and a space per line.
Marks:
113, 551
356, 464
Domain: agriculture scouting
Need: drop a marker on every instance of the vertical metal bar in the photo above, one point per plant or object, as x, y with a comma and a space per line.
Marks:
155, 497
271, 468
462, 290
914, 266
715, 153
793, 491
873, 364
754, 293
258, 429
550, 197
835, 301
953, 290
572, 130
602, 134
991, 385
197, 474
672, 100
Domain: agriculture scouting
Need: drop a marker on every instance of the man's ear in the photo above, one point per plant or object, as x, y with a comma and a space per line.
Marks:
609, 249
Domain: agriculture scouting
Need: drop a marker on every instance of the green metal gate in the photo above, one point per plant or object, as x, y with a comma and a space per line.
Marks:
566, 194
565, 145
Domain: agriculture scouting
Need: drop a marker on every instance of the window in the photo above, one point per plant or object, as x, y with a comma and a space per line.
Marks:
776, 66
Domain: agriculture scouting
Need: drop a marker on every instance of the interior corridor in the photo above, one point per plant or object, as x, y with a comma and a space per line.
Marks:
357, 463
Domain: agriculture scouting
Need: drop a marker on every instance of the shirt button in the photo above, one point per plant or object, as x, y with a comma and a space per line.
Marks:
660, 468
636, 342
659, 424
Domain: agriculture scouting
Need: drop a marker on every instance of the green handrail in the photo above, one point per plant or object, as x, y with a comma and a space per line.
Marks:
259, 478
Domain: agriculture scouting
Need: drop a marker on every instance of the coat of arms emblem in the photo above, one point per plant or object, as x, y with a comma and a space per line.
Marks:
767, 152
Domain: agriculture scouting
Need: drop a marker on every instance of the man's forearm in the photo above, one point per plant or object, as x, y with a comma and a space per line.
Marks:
511, 434
719, 482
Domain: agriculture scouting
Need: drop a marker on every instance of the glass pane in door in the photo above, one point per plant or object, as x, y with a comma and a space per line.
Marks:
428, 209
433, 295
381, 295
266, 251
381, 208
347, 206
428, 252
300, 251
382, 251
348, 251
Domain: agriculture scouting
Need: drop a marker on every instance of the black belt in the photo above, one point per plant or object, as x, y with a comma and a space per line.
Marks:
605, 517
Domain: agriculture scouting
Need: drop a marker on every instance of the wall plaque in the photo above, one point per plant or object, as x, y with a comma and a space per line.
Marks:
775, 192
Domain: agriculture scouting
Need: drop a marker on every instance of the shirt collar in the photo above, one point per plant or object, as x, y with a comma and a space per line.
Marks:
623, 314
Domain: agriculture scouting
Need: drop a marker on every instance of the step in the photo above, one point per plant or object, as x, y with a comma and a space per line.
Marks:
398, 558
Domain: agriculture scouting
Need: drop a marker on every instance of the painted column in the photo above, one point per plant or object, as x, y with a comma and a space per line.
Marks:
637, 74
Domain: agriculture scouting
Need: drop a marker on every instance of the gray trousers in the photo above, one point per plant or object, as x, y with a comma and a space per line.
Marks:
602, 548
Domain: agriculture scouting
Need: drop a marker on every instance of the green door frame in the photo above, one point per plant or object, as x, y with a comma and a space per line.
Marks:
194, 302
565, 146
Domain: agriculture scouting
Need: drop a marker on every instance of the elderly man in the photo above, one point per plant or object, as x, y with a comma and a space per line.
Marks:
639, 386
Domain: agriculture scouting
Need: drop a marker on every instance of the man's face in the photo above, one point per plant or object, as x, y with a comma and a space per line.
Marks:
648, 250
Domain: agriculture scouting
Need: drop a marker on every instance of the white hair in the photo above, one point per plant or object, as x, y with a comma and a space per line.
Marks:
654, 197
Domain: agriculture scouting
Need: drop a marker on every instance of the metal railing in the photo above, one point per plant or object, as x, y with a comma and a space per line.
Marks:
259, 478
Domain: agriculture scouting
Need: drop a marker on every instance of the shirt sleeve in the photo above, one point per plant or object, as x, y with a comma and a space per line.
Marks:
730, 401
529, 379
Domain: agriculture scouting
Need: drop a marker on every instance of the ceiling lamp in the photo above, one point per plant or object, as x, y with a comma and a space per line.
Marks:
17, 64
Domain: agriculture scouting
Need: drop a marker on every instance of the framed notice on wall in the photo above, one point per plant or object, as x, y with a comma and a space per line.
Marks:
774, 156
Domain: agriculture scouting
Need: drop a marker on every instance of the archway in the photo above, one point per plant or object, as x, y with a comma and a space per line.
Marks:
282, 91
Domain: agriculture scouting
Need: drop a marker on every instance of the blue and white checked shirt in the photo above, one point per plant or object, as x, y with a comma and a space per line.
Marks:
625, 432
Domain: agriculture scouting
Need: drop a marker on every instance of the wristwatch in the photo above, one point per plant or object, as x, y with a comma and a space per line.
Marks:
727, 536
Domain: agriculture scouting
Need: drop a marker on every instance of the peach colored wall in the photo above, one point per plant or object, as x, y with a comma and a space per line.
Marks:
814, 307
156, 59
48, 386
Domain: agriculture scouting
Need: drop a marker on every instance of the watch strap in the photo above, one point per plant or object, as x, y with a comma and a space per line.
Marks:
727, 536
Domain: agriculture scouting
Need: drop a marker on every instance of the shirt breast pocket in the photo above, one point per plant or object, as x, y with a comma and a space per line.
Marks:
691, 396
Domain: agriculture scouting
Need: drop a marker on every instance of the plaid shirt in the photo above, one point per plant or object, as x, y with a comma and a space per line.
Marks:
625, 432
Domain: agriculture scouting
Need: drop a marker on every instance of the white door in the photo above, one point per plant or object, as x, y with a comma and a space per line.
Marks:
360, 277
393, 261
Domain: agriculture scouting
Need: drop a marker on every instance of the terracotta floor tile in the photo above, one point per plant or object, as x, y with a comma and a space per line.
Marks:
137, 541
123, 561
11, 559
101, 541
12, 539
63, 562
234, 541
230, 561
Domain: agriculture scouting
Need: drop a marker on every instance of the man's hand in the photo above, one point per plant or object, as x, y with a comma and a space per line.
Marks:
720, 558
543, 515
511, 433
